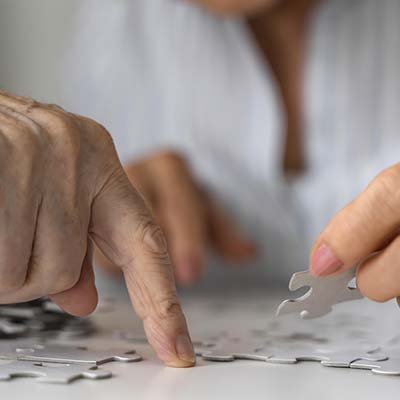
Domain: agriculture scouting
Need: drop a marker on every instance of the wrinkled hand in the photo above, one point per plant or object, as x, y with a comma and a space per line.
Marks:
61, 186
190, 220
234, 7
366, 232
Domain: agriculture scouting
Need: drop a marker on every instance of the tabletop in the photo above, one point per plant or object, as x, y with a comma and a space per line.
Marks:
249, 313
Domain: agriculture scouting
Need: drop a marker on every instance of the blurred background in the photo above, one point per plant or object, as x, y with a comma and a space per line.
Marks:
245, 125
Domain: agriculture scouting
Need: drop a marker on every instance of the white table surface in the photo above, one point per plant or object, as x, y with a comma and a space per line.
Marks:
350, 323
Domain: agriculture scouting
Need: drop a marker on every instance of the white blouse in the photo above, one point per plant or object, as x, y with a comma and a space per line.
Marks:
165, 73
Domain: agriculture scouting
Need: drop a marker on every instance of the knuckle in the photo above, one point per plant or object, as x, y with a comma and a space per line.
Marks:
100, 133
174, 167
168, 307
152, 238
171, 157
64, 131
60, 122
26, 138
66, 280
66, 138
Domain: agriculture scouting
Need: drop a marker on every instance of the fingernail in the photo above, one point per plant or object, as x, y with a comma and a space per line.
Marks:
184, 349
324, 262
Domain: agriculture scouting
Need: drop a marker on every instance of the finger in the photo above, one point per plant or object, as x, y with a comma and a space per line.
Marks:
181, 209
360, 228
18, 213
103, 262
378, 276
226, 238
18, 103
60, 228
140, 179
123, 229
184, 224
168, 188
81, 299
57, 252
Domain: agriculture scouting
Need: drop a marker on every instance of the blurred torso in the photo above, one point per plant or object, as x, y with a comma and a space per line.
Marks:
167, 74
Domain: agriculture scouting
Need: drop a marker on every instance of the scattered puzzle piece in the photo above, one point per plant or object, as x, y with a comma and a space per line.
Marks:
324, 293
233, 349
66, 354
51, 373
293, 354
8, 327
344, 359
388, 366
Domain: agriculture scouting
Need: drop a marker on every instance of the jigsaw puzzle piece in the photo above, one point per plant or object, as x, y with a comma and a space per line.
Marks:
231, 349
68, 354
51, 373
9, 327
293, 356
345, 359
304, 307
323, 294
326, 356
388, 366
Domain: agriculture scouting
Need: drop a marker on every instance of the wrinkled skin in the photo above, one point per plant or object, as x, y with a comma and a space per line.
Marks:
366, 233
62, 187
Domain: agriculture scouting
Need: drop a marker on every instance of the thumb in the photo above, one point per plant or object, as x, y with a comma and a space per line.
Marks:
81, 300
126, 233
361, 228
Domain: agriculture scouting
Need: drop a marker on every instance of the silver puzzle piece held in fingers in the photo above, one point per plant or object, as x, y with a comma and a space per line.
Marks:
324, 293
51, 373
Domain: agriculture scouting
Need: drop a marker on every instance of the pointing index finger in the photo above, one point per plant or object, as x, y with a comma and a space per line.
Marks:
126, 233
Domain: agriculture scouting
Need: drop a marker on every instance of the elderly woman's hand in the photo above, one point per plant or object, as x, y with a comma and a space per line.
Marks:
366, 233
62, 186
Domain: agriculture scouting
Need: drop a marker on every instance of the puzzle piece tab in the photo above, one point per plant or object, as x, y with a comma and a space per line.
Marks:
324, 293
